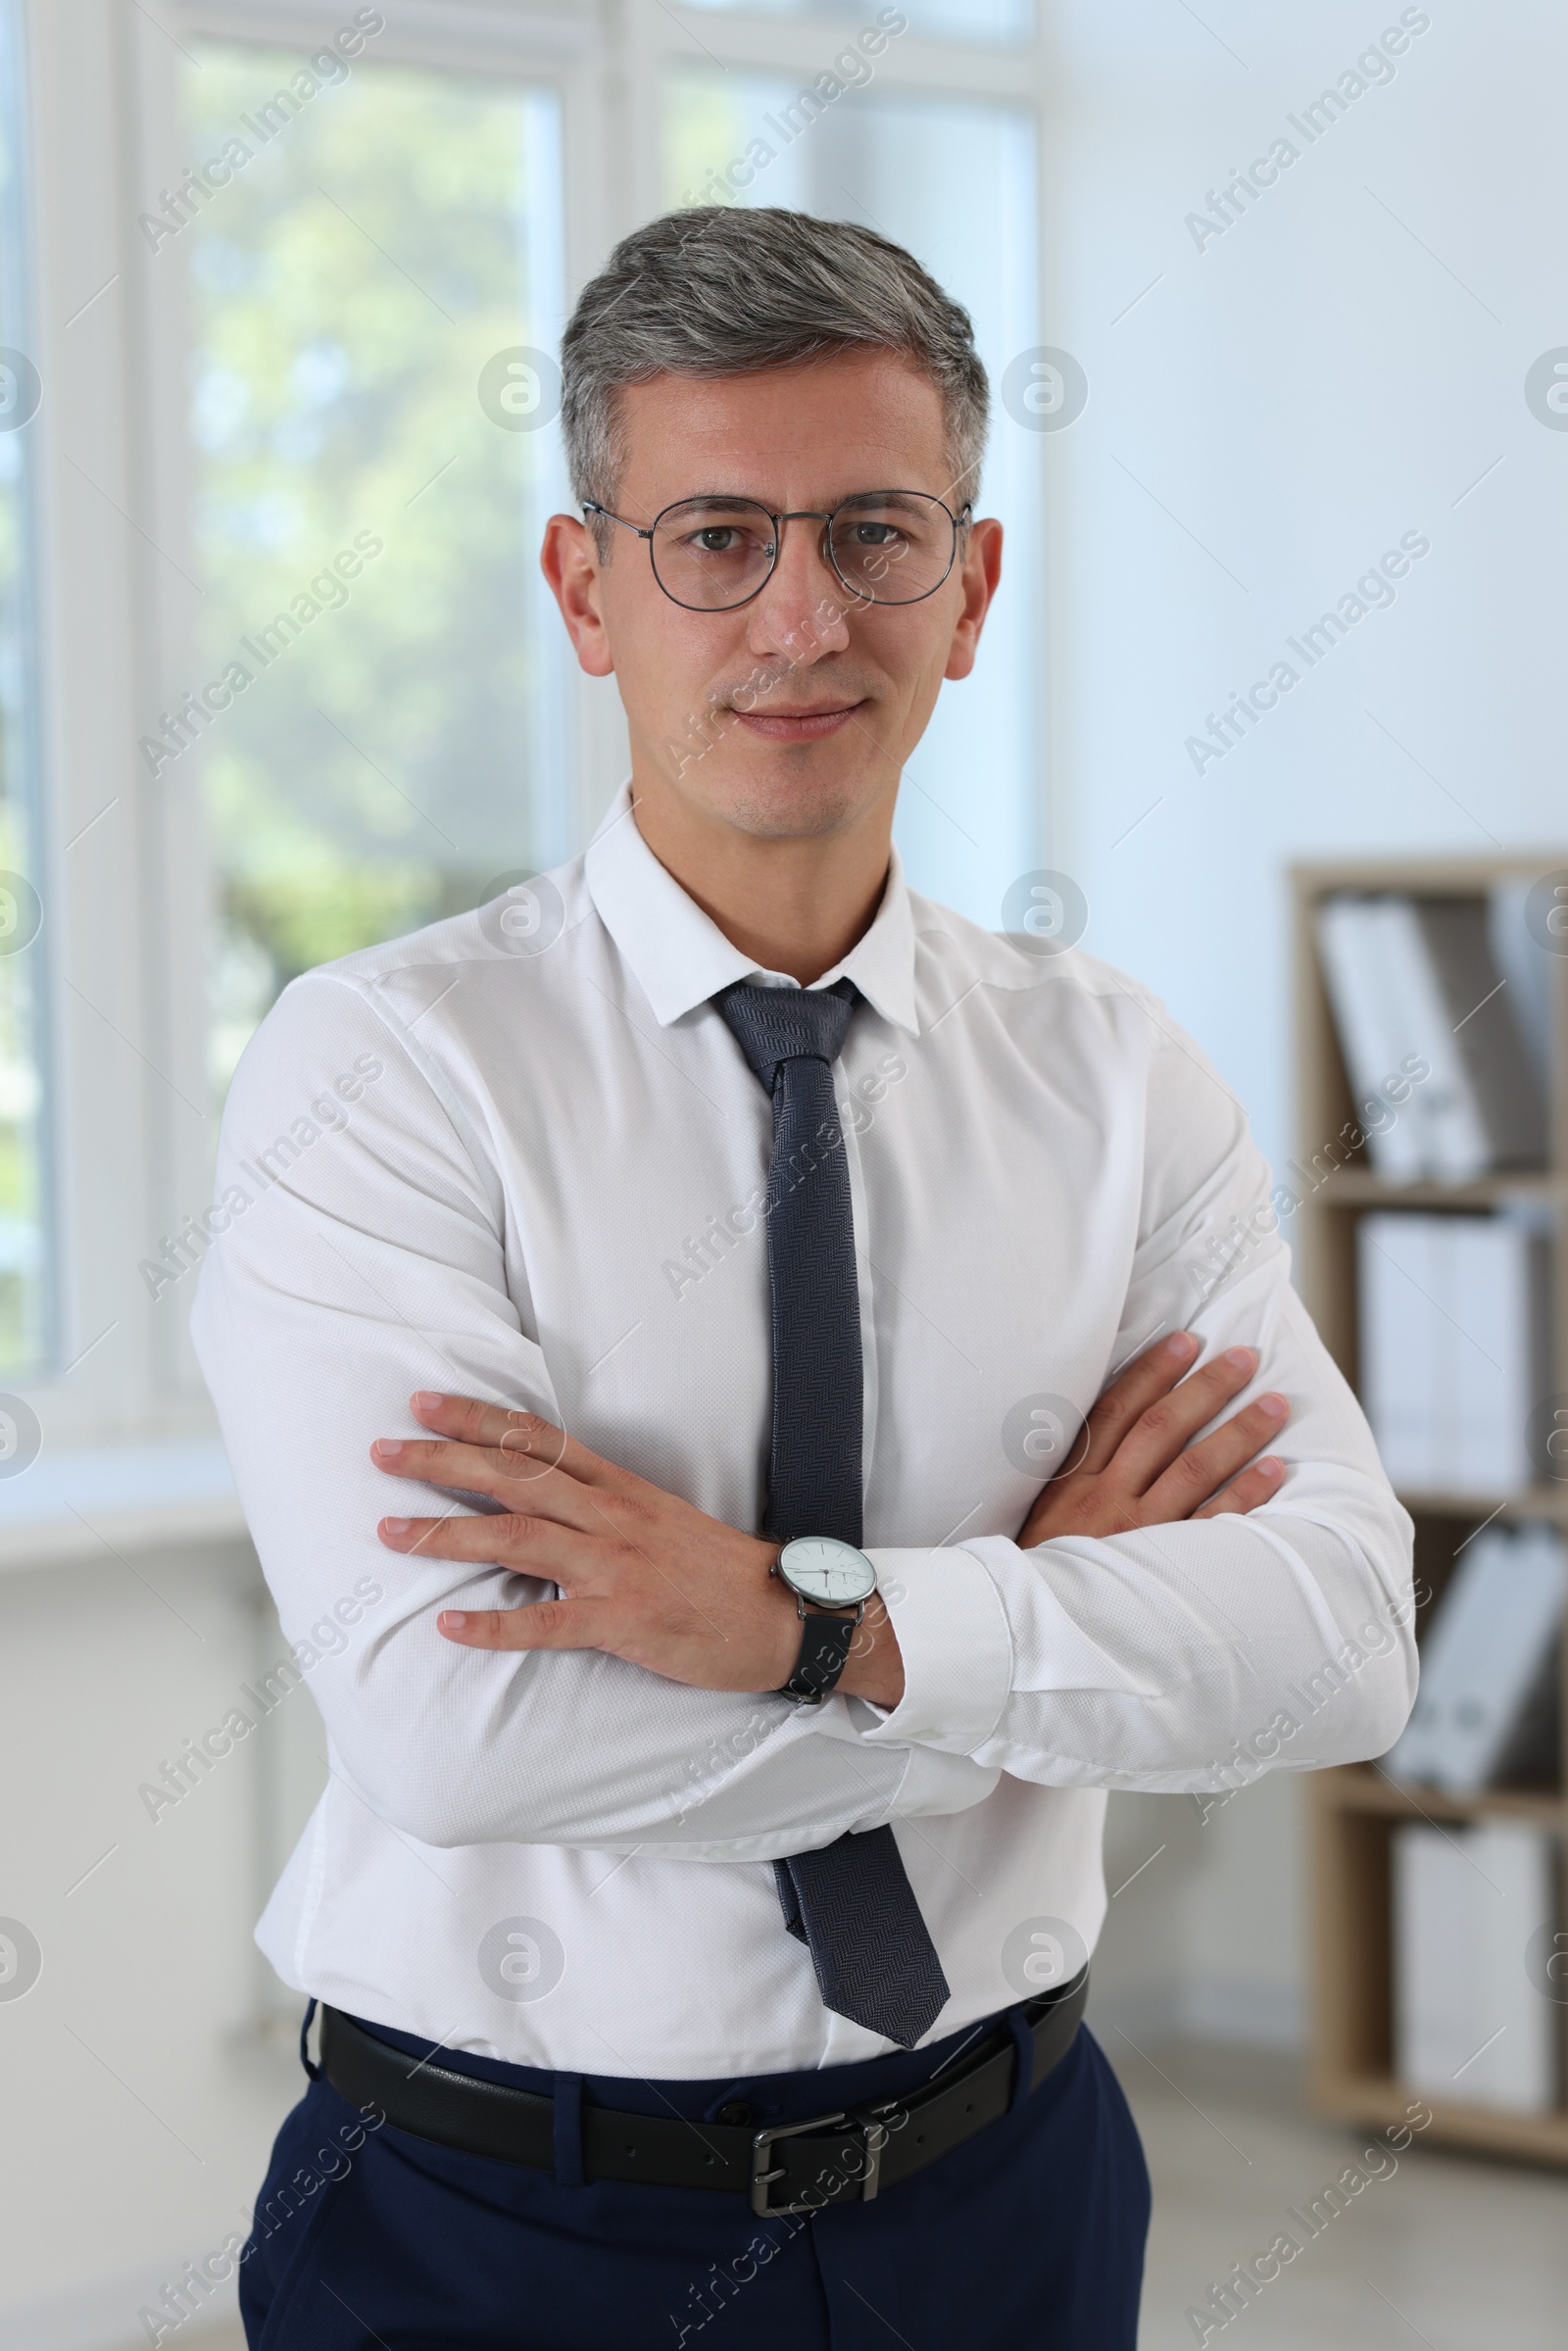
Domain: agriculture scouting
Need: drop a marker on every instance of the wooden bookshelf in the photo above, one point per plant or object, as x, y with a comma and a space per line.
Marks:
1355, 1810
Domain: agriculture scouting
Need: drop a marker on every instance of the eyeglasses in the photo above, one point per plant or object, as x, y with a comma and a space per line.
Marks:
713, 553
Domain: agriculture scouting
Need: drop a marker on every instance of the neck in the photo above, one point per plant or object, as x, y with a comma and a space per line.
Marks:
790, 903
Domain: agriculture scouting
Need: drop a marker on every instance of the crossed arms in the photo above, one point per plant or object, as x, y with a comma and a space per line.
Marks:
1179, 1596
646, 1576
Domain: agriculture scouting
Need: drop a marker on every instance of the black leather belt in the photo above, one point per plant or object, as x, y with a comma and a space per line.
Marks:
836, 2157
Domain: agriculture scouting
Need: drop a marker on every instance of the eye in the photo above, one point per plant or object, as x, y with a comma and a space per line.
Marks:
724, 539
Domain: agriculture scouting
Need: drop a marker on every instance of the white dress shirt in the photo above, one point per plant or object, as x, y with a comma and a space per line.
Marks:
530, 1170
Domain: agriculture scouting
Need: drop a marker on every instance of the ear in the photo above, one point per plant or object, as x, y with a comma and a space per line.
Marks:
569, 562
981, 576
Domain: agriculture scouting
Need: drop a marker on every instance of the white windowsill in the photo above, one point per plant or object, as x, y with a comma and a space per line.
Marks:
78, 1504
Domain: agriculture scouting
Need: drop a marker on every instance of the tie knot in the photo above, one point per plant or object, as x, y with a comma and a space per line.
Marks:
773, 1025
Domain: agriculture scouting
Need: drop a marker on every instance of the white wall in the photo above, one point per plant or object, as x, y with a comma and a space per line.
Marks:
1314, 382
1297, 395
1207, 1925
140, 2106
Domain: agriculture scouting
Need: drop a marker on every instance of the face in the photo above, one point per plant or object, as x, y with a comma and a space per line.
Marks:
792, 715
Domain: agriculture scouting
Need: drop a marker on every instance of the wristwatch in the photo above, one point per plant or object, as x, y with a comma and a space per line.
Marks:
828, 1577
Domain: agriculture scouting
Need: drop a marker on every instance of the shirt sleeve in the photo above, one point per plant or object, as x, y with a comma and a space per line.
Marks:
1195, 1655
357, 1256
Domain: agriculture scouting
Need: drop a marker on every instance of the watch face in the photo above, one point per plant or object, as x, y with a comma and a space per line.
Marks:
820, 1568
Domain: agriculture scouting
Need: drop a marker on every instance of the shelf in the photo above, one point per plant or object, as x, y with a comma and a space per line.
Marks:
1356, 1811
1429, 877
1362, 1788
1359, 1188
1378, 2101
1531, 1501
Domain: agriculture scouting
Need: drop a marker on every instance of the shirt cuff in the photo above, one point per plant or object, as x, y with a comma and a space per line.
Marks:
956, 1647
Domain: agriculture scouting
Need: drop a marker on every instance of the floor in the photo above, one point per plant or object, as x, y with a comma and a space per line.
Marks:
1444, 2251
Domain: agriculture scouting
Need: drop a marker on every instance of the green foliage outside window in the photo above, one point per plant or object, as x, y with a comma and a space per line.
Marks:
366, 532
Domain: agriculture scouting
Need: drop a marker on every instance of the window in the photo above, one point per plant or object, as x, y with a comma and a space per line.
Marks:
279, 676
376, 292
24, 1274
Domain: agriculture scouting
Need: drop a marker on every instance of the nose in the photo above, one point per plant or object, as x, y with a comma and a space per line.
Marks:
802, 611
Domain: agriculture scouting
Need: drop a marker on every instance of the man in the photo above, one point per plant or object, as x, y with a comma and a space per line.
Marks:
700, 1901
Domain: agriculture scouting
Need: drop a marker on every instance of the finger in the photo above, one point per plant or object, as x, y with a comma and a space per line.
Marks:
1259, 1484
534, 1443
1203, 1469
528, 1547
1149, 1376
546, 1625
483, 1469
1163, 1432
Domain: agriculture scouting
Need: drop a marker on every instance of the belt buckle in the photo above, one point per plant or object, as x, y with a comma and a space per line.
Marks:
874, 2137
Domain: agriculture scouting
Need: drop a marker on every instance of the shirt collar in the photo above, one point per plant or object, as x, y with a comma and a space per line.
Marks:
679, 956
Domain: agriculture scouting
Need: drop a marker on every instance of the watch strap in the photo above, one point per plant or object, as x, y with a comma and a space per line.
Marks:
825, 1643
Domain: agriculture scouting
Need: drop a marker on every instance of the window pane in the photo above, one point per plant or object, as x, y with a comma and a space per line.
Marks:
954, 179
23, 1268
383, 725
939, 19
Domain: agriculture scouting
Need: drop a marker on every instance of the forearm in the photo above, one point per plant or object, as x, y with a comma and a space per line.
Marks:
581, 1749
1173, 1657
460, 1746
1138, 1643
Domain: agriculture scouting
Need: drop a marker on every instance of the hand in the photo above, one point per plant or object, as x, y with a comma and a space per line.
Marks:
642, 1575
1138, 1466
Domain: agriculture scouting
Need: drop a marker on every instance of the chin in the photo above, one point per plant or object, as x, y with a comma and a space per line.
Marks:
783, 805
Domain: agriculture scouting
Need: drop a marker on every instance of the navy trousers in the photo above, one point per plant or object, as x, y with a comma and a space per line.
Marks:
1029, 2238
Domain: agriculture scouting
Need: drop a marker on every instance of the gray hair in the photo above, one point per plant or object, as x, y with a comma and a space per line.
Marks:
720, 291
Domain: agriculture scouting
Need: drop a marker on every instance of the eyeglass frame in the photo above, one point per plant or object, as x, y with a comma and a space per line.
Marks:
960, 523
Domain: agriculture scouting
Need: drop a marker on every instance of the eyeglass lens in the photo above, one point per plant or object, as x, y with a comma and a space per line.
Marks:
888, 547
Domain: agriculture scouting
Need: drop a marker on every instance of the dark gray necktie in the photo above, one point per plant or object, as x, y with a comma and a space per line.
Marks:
850, 1902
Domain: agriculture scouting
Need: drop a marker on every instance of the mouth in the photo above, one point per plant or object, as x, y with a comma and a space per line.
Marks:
798, 726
